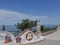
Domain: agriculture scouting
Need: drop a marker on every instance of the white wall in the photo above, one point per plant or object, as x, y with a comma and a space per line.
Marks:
23, 40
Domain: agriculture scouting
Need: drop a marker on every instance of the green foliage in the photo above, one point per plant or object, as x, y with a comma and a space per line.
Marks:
26, 23
46, 29
42, 28
34, 31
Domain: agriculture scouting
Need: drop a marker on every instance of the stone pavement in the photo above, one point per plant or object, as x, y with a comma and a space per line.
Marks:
51, 39
47, 42
54, 36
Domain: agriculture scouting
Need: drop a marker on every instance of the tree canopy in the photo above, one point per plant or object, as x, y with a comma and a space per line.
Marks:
26, 23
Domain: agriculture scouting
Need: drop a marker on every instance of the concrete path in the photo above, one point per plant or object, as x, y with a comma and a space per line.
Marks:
51, 39
47, 42
54, 36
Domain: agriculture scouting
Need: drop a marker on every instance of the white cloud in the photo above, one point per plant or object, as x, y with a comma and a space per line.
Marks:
19, 15
12, 17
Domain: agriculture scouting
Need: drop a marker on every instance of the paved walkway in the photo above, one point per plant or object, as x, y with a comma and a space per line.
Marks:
54, 36
51, 39
47, 42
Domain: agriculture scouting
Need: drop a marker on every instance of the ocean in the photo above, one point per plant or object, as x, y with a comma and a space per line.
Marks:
11, 29
14, 30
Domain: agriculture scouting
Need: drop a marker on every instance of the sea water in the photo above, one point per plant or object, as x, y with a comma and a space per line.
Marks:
14, 30
11, 29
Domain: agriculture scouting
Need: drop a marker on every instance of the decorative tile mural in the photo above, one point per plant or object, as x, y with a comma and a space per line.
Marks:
29, 36
18, 39
7, 39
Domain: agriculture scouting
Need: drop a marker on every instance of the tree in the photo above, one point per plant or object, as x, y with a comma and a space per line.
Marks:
42, 28
26, 23
3, 29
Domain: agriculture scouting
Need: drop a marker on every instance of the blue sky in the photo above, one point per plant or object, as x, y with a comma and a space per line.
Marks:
13, 11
